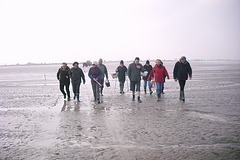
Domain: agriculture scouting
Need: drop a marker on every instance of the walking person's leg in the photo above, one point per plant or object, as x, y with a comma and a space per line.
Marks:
138, 84
158, 85
150, 87
61, 86
94, 90
68, 91
74, 90
182, 85
77, 91
102, 83
145, 86
163, 88
98, 92
132, 88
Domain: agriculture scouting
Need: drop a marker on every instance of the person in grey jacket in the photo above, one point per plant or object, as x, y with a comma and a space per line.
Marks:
77, 76
134, 74
104, 72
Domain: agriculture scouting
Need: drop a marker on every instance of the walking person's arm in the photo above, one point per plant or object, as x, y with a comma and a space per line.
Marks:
58, 74
175, 71
83, 76
106, 72
189, 71
129, 72
90, 74
166, 73
150, 75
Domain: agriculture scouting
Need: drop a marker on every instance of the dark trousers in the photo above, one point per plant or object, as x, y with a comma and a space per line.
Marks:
67, 89
95, 88
76, 88
182, 84
101, 81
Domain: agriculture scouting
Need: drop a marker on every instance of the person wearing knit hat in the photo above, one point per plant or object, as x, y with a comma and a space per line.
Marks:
77, 76
182, 70
147, 69
64, 79
122, 71
95, 75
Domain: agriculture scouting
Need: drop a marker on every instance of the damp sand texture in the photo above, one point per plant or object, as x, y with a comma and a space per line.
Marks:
36, 123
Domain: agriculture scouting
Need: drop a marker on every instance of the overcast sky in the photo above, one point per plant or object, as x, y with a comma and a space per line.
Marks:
78, 30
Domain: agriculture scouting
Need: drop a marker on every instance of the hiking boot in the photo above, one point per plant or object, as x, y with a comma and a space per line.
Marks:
139, 100
159, 97
98, 101
183, 97
78, 98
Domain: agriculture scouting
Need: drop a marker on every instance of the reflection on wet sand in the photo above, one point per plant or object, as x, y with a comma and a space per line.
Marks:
67, 105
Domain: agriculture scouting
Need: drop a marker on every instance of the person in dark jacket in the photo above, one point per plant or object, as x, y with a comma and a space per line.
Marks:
147, 69
122, 71
158, 72
181, 72
134, 74
77, 76
95, 75
64, 79
104, 73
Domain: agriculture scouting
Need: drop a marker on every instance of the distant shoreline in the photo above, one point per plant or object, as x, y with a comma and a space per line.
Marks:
196, 60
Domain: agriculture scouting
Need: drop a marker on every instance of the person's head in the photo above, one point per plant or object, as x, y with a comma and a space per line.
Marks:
161, 62
147, 63
100, 61
137, 60
75, 64
94, 64
64, 65
158, 62
121, 63
183, 59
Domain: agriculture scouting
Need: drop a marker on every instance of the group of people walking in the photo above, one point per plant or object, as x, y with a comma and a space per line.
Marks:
151, 75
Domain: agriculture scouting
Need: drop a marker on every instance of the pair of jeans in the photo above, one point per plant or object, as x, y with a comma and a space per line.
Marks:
159, 87
95, 88
147, 83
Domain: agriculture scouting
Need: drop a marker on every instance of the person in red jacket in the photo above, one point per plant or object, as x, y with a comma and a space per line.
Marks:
158, 72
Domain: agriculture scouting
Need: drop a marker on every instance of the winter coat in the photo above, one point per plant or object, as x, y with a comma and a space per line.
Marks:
63, 75
77, 75
159, 73
104, 70
182, 70
134, 74
149, 69
95, 73
121, 73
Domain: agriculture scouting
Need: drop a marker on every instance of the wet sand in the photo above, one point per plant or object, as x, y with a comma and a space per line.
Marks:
36, 122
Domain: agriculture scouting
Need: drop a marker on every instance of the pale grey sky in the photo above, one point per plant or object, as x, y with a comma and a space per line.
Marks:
69, 30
